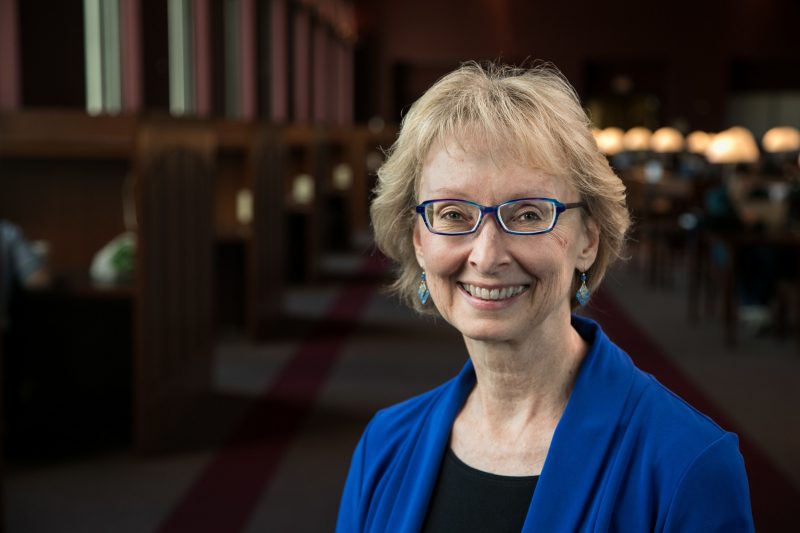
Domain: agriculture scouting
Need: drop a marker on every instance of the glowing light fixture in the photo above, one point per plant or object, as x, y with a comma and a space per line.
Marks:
610, 141
637, 139
734, 145
666, 140
303, 189
342, 176
244, 206
783, 139
697, 142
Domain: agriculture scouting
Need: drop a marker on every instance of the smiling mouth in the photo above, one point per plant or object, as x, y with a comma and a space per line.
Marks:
493, 294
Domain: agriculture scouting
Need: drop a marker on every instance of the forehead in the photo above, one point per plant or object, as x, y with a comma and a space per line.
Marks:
470, 170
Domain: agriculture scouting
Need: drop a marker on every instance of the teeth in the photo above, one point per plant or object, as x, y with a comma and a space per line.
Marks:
493, 294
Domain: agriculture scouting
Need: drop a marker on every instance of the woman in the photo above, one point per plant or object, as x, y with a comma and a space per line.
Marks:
503, 216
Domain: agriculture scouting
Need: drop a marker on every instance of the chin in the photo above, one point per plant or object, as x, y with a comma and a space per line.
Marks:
487, 331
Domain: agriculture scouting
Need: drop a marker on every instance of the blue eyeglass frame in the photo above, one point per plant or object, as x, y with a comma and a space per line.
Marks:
493, 210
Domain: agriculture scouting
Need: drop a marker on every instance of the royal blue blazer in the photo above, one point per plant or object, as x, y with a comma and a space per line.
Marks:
627, 455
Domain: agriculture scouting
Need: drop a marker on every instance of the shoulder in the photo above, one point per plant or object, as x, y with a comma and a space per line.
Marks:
712, 492
676, 454
665, 427
692, 463
650, 407
417, 422
692, 458
669, 414
669, 431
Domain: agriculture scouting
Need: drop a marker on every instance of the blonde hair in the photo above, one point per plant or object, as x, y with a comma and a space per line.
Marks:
530, 116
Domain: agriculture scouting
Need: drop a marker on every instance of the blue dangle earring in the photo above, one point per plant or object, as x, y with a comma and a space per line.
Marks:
583, 293
422, 290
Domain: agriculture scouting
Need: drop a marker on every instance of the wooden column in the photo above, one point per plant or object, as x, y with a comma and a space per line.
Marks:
301, 66
279, 105
131, 55
202, 58
267, 168
2, 392
320, 77
174, 170
344, 109
9, 56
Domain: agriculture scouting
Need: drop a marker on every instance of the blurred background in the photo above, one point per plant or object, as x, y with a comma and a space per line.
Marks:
192, 330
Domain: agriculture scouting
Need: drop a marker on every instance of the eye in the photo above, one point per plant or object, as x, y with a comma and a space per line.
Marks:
529, 215
451, 214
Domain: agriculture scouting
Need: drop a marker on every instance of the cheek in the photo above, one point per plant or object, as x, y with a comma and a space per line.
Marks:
443, 261
442, 258
551, 261
561, 239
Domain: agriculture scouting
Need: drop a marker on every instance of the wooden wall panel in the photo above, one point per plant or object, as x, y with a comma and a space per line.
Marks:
267, 246
174, 315
75, 205
9, 56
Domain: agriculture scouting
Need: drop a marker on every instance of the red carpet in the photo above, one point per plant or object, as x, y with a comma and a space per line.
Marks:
773, 496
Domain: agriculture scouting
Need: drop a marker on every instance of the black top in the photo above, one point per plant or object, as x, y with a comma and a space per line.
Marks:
469, 500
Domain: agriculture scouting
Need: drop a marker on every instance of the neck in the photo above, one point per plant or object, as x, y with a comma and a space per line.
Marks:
521, 382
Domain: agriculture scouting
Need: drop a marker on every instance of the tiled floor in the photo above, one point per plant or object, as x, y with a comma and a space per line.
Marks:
390, 356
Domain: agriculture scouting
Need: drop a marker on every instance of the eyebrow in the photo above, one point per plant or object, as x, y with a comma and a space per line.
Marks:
456, 193
445, 190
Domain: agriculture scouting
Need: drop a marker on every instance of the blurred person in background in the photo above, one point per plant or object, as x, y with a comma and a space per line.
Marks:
20, 265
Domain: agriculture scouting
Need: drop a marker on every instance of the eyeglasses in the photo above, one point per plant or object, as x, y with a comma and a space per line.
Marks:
523, 216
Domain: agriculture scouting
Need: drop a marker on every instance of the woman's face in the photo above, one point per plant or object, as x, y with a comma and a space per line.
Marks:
539, 268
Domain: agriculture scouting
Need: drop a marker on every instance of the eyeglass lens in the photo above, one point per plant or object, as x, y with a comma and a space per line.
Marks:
523, 216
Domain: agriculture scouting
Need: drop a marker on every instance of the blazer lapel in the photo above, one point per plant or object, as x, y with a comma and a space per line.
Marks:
425, 456
584, 440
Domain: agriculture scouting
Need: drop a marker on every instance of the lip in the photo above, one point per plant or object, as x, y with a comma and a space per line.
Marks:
479, 303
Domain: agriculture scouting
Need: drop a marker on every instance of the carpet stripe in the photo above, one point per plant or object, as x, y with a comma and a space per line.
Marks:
225, 493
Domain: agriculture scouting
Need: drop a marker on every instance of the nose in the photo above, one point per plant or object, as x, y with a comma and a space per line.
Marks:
489, 252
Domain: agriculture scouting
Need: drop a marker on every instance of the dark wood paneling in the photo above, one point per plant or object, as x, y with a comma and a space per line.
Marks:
155, 55
62, 176
52, 53
74, 205
174, 315
267, 250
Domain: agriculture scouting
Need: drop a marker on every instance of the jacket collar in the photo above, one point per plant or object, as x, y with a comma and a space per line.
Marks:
593, 410
572, 473
427, 453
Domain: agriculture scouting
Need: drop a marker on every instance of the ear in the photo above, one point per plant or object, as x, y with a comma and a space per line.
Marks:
418, 246
590, 241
